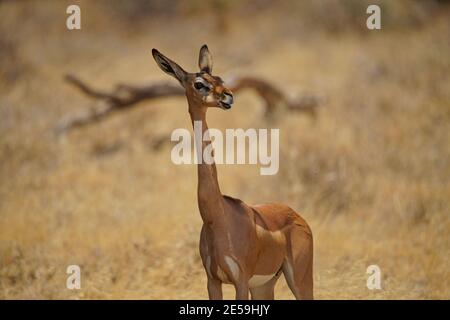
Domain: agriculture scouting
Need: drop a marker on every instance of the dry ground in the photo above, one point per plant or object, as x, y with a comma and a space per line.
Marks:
371, 173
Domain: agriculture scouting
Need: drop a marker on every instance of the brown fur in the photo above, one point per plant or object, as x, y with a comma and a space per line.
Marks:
238, 241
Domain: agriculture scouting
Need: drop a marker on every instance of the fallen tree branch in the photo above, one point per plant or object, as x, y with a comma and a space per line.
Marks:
122, 97
274, 98
125, 96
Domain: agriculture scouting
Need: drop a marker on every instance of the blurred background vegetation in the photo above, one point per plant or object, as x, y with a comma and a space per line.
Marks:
371, 172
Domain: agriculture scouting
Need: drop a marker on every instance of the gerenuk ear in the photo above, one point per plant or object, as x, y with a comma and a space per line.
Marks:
169, 67
205, 61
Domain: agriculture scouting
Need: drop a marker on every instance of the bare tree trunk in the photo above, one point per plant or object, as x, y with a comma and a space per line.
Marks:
124, 96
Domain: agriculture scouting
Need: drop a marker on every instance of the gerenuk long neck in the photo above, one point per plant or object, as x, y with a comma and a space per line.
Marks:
209, 195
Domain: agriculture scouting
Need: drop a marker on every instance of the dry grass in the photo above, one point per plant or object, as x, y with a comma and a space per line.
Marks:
371, 174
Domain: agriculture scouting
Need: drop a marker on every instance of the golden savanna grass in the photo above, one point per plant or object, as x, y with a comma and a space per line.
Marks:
370, 173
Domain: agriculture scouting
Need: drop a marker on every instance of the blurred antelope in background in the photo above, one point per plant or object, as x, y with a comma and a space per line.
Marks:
246, 246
